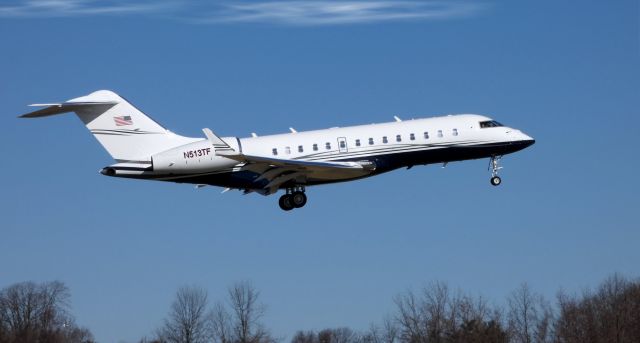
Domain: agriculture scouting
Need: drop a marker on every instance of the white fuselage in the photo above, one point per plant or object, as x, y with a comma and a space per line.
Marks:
388, 145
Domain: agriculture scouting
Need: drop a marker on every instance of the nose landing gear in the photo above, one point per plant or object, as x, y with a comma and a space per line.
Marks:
496, 180
494, 167
293, 198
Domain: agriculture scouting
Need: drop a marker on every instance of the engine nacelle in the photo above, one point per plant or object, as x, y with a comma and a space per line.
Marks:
189, 158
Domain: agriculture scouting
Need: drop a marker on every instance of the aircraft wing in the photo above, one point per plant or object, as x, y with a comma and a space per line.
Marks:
297, 164
277, 171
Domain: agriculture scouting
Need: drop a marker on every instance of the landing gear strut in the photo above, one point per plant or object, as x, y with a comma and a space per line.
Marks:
495, 166
293, 198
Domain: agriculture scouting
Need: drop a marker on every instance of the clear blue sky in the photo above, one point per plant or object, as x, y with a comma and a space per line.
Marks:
565, 72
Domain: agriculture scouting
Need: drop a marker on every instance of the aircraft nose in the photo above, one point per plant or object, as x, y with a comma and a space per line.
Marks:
526, 139
520, 138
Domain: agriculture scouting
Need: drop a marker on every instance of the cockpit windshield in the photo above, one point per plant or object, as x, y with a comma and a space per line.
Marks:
489, 123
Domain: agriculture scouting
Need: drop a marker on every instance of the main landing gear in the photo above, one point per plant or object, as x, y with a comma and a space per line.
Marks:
494, 166
293, 198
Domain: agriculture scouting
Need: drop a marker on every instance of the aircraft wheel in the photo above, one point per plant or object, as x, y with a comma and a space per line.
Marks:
286, 202
496, 180
298, 199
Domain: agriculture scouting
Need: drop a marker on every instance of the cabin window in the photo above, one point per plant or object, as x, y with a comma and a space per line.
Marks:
274, 151
370, 141
398, 138
489, 123
287, 150
455, 132
384, 139
315, 147
328, 146
426, 135
300, 149
343, 144
412, 137
357, 142
440, 133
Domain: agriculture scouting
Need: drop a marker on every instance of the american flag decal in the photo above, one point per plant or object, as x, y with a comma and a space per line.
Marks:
123, 120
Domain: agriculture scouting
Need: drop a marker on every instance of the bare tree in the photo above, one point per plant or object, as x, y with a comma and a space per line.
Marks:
440, 315
305, 337
571, 324
221, 325
187, 322
343, 335
612, 304
530, 317
385, 333
337, 335
76, 334
435, 305
240, 320
243, 298
410, 318
389, 331
31, 312
433, 316
334, 335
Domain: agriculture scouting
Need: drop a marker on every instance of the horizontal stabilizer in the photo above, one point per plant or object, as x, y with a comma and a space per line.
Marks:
53, 109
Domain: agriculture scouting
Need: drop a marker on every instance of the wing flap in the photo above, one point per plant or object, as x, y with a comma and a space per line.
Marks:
297, 164
283, 171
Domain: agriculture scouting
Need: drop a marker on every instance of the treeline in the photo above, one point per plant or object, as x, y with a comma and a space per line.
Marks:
434, 314
611, 313
39, 313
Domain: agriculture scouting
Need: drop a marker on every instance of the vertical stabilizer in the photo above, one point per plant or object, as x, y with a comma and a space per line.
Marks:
124, 131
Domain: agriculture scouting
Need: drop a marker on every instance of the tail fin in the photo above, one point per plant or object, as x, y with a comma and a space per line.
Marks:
124, 131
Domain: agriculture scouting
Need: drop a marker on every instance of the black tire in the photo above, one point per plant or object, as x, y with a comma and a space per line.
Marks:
298, 199
286, 202
496, 180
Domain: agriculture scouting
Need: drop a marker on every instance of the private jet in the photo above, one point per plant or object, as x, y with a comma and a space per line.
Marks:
144, 149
